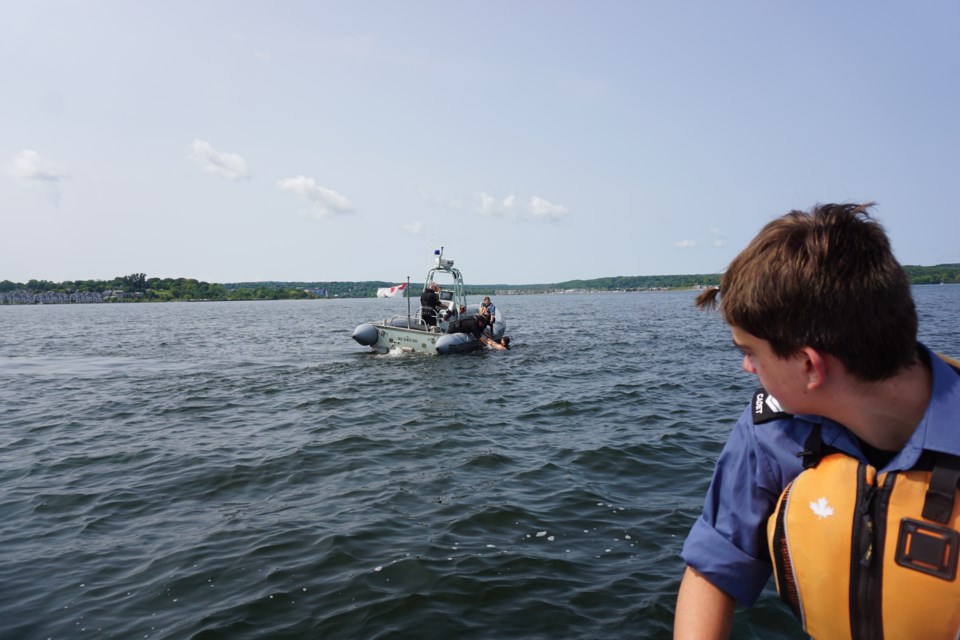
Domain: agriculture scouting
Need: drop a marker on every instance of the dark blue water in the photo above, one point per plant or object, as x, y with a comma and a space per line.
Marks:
245, 470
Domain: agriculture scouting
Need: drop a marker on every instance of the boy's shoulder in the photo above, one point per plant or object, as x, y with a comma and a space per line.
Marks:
765, 408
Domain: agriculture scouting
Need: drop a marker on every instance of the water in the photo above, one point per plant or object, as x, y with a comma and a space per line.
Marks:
245, 470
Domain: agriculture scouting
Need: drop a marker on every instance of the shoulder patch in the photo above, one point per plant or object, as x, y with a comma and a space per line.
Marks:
766, 408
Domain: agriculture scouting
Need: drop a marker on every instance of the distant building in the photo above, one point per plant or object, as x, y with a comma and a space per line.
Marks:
22, 296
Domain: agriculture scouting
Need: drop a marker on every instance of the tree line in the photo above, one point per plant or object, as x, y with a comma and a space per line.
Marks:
945, 273
137, 286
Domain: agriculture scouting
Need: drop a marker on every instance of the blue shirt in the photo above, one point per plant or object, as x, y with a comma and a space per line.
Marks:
728, 543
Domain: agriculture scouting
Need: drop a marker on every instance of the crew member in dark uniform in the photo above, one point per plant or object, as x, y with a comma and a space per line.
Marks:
429, 303
473, 325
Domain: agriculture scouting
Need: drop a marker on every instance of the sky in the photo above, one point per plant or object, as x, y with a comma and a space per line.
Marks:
536, 141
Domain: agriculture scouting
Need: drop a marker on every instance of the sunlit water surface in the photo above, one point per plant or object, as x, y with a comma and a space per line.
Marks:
245, 470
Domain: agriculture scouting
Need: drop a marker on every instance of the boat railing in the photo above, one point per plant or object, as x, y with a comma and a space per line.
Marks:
404, 321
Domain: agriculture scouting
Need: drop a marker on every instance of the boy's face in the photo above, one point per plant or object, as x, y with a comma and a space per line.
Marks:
784, 378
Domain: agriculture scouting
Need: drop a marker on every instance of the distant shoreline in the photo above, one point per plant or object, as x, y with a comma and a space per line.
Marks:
40, 299
29, 298
138, 288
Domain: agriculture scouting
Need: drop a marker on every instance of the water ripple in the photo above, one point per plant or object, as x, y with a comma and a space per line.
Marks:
247, 471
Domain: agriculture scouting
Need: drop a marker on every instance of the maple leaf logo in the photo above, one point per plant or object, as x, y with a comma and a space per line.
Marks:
822, 508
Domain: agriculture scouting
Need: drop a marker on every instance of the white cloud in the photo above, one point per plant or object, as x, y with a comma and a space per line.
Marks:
685, 244
323, 201
437, 200
228, 165
35, 171
413, 228
490, 206
719, 239
546, 210
541, 209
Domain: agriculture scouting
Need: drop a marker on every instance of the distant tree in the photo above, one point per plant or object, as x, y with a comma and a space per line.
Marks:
134, 282
41, 285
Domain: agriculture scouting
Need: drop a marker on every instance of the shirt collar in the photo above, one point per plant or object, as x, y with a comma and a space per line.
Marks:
939, 429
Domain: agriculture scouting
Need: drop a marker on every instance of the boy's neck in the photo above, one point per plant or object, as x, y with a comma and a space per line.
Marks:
883, 414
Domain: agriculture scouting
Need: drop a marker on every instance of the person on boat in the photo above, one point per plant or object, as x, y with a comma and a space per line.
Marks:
840, 478
487, 308
429, 304
474, 325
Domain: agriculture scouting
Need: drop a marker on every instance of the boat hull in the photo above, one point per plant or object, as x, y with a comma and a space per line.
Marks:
366, 334
449, 343
413, 336
385, 337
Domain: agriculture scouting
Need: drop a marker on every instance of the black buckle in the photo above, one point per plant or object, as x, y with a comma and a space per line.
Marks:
928, 548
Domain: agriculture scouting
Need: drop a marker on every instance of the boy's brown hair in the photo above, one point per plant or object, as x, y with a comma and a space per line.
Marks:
825, 279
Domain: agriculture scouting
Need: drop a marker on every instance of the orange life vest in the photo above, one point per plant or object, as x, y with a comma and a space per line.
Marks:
861, 554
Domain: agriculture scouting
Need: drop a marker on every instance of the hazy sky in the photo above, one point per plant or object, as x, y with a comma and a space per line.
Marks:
536, 141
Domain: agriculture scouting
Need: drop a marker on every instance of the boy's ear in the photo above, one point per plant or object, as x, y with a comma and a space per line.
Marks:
814, 368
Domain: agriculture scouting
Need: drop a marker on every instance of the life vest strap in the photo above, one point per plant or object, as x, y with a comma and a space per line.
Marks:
944, 481
814, 450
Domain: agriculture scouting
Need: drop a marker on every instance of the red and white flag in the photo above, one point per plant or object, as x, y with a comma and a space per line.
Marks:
391, 292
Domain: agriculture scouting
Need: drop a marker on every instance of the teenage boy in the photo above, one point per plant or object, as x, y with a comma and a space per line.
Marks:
844, 468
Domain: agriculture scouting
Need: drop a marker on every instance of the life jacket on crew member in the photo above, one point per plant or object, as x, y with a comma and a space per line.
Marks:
861, 554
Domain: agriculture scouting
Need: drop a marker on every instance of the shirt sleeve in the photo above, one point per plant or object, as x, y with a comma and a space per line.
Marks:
727, 544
